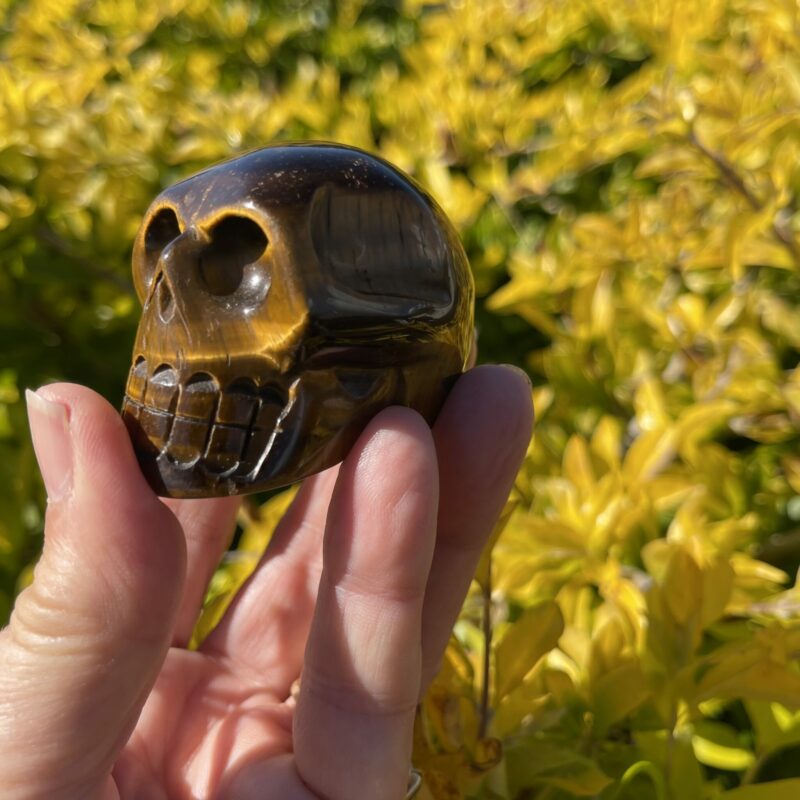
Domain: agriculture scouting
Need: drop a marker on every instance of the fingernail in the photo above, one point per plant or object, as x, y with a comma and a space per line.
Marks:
49, 421
521, 372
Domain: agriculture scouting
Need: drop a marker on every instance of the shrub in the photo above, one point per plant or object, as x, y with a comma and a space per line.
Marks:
625, 179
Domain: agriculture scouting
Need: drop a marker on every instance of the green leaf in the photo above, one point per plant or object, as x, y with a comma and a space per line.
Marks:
534, 761
775, 726
774, 790
616, 694
675, 755
642, 771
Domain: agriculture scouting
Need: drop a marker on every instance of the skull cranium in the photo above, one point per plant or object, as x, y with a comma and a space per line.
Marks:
288, 296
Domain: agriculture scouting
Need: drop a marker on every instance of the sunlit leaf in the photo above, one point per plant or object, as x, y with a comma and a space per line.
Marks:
716, 745
623, 177
525, 642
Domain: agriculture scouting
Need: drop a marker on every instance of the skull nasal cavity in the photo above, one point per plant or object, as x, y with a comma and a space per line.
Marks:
163, 228
235, 243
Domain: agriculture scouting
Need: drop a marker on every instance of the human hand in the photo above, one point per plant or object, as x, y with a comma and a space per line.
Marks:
99, 697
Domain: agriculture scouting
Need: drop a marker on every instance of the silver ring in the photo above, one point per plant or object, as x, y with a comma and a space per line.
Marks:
414, 783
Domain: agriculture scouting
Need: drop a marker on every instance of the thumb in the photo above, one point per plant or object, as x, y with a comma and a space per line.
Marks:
87, 639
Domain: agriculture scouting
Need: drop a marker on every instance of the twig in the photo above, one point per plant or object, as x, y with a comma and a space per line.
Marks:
514, 218
669, 755
487, 648
49, 237
735, 181
727, 170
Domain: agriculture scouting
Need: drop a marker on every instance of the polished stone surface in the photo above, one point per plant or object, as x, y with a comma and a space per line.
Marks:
288, 296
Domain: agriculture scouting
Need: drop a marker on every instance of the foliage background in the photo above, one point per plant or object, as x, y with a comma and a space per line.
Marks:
625, 177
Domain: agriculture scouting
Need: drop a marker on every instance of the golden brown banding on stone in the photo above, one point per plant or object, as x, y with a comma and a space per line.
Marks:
288, 296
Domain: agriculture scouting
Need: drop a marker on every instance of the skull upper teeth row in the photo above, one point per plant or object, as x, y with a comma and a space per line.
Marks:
190, 420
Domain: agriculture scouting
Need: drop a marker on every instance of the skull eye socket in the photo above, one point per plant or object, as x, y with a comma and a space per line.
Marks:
235, 243
163, 228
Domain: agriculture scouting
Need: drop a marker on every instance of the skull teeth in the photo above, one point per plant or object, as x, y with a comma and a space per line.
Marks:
240, 402
161, 390
195, 424
198, 398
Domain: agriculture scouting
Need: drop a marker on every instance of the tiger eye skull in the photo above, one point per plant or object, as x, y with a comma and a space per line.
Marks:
288, 296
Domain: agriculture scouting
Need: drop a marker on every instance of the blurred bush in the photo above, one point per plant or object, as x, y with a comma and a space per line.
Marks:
625, 178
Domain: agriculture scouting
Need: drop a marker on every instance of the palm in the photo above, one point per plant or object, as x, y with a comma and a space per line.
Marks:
207, 732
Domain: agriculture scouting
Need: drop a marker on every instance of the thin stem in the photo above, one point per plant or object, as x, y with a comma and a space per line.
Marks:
514, 218
727, 171
753, 770
49, 237
668, 760
730, 176
487, 648
647, 769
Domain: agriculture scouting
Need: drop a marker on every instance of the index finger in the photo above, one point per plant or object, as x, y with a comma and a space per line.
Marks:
207, 527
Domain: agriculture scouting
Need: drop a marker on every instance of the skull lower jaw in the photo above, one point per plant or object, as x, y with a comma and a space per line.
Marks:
193, 439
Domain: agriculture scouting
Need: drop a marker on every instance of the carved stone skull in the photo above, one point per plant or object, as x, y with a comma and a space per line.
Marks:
289, 295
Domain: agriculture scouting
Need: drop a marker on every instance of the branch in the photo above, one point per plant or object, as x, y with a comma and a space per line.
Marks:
486, 587
48, 236
730, 176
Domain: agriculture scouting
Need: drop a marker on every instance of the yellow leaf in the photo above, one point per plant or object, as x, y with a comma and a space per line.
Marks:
718, 578
602, 307
535, 633
578, 464
617, 693
649, 454
530, 699
239, 564
716, 745
791, 469
259, 530
756, 574
747, 673
683, 586
702, 420
607, 441
671, 160
651, 405
716, 755
767, 252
